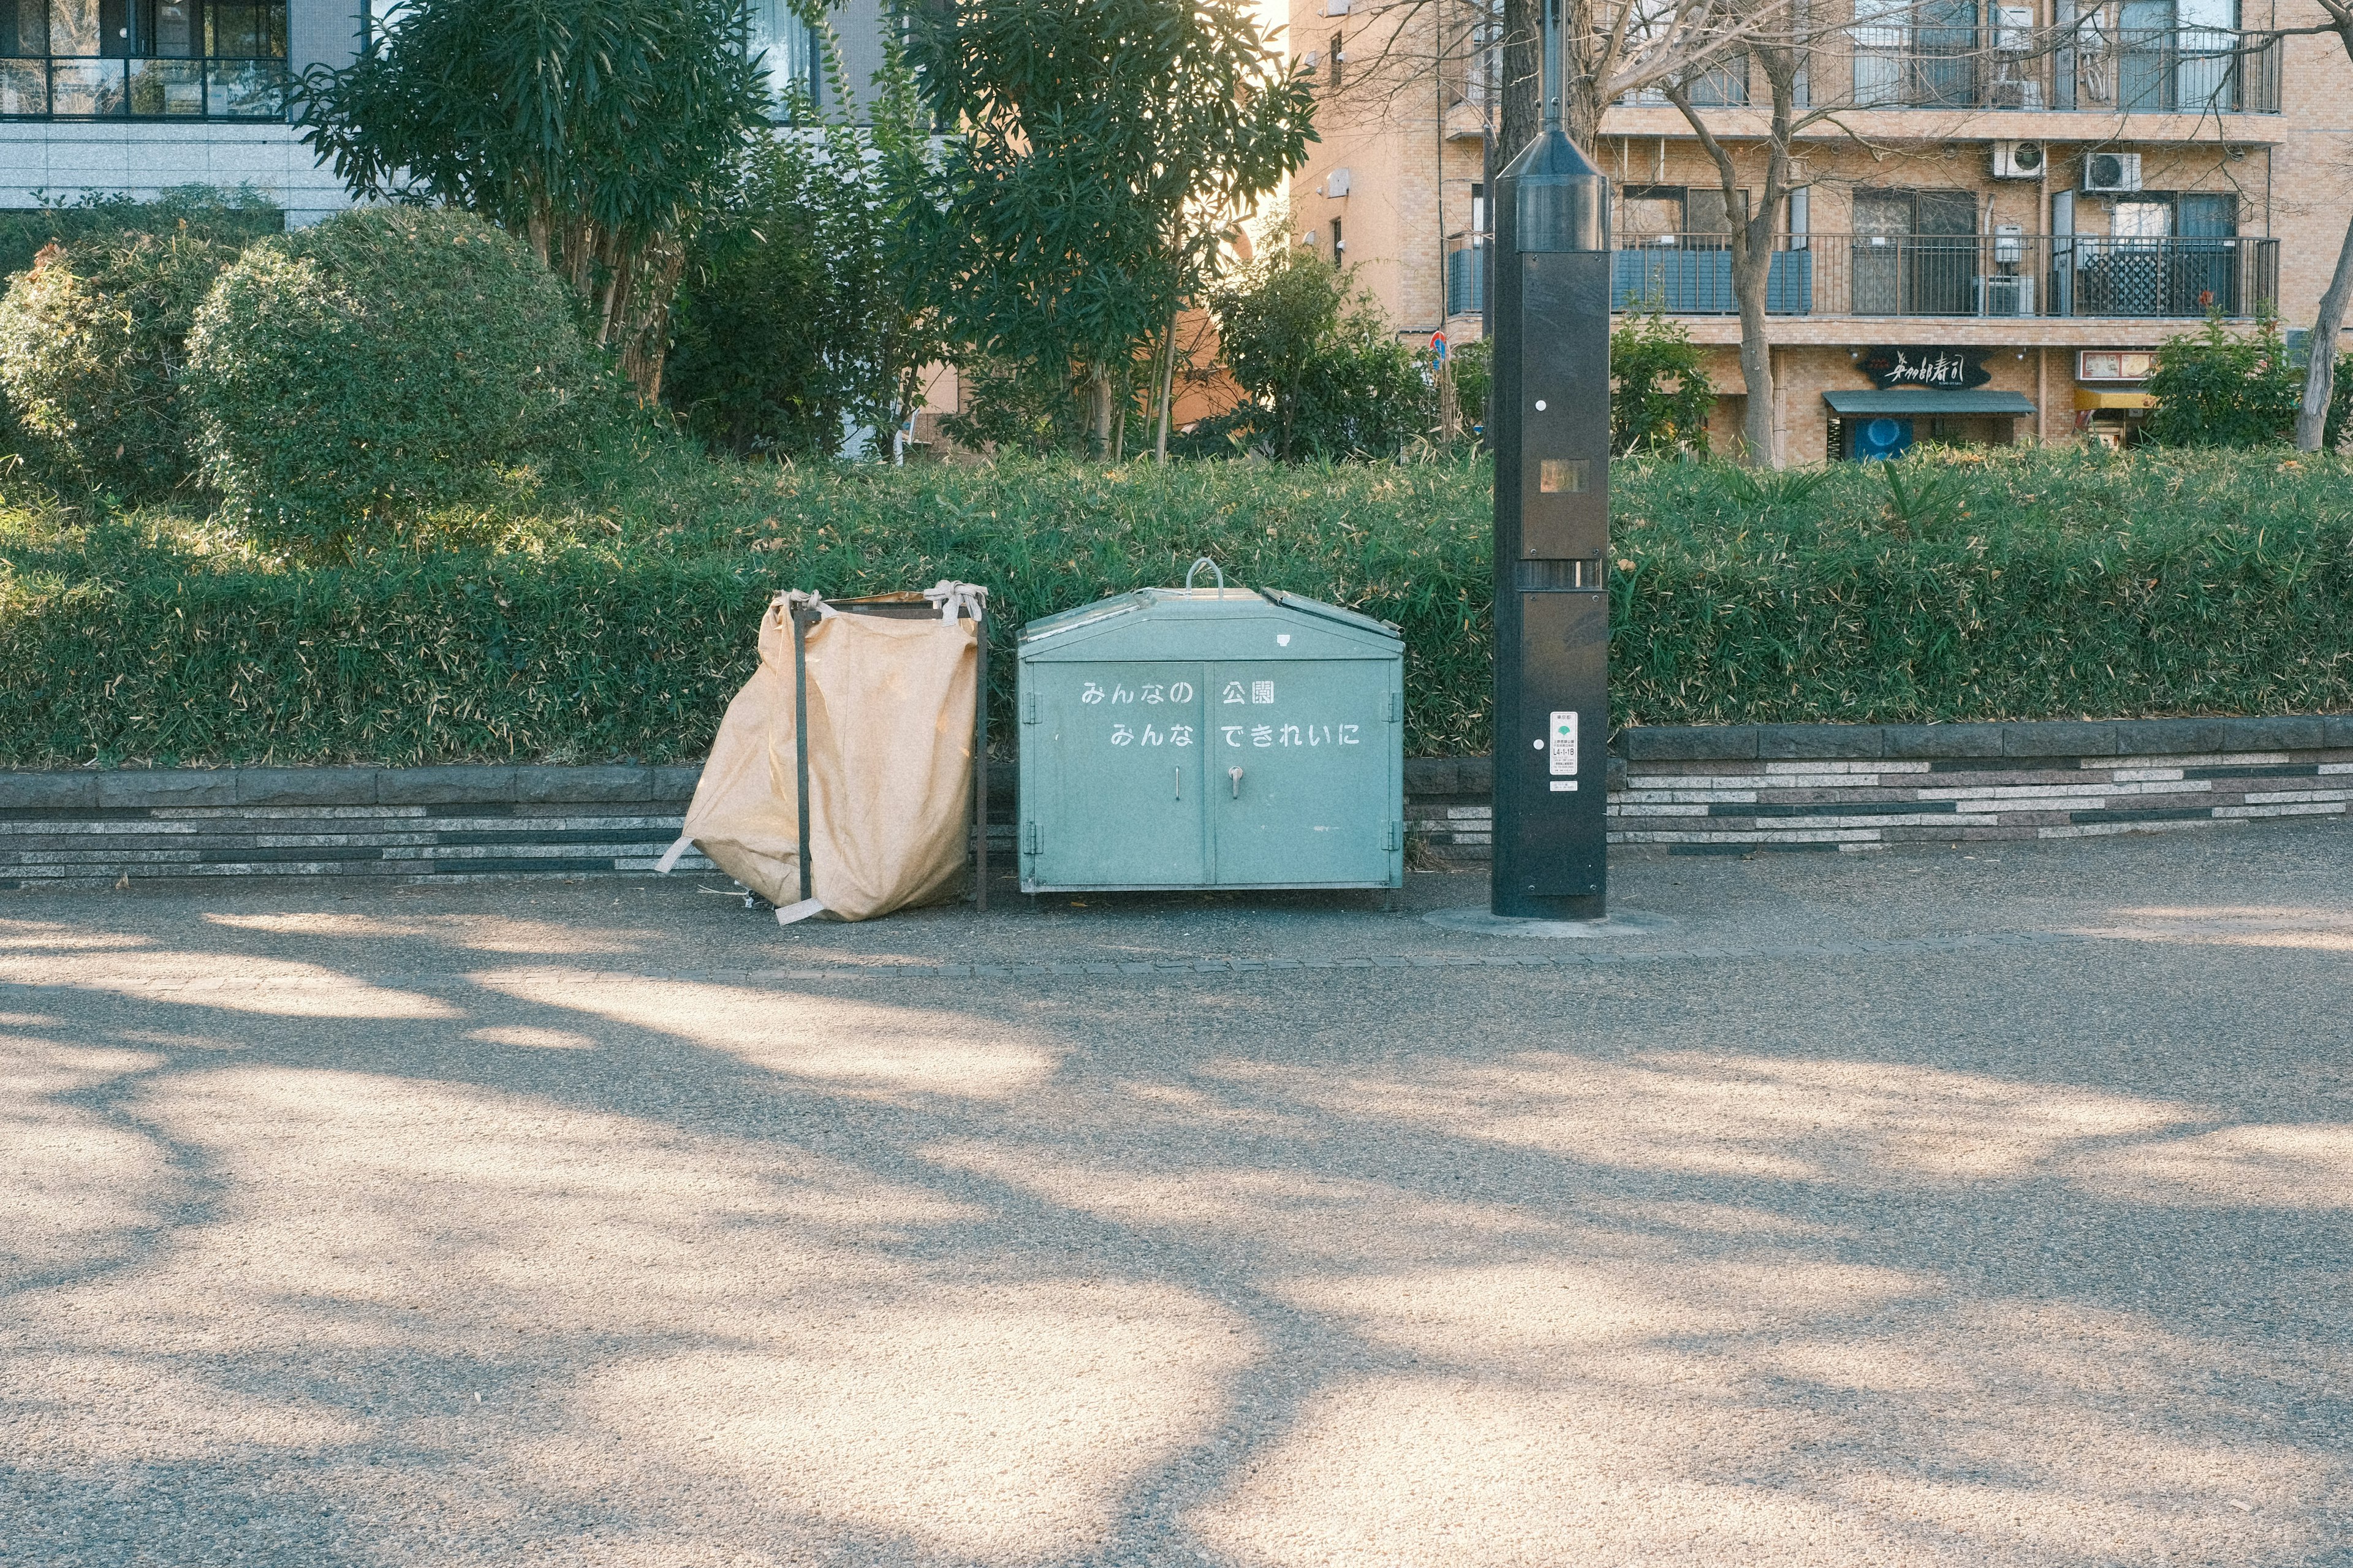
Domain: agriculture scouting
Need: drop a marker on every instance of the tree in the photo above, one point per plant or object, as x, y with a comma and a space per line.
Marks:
2218, 388
1771, 44
1660, 396
808, 308
1100, 149
600, 131
1323, 374
1776, 48
2312, 431
1610, 48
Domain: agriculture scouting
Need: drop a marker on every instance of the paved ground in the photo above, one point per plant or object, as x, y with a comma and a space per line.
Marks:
1901, 1209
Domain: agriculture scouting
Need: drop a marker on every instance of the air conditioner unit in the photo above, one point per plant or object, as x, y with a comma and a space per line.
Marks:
2019, 160
2111, 171
2003, 296
1337, 182
1335, 7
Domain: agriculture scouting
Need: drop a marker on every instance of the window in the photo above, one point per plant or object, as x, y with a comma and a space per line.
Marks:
1677, 215
1337, 57
1915, 253
145, 59
2177, 56
786, 47
1915, 53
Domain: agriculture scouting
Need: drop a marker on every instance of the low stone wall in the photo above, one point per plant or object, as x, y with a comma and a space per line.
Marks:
1735, 789
410, 824
1742, 789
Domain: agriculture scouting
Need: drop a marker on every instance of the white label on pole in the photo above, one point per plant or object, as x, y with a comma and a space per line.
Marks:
1563, 742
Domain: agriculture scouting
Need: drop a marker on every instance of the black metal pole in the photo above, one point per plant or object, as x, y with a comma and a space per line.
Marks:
1548, 417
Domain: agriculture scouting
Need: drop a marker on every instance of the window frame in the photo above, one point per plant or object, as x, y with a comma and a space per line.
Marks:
137, 84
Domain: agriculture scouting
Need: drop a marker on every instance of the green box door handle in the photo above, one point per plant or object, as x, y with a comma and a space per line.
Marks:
1236, 776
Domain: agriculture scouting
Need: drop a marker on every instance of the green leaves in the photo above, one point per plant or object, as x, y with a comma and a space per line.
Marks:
386, 359
810, 306
1660, 396
601, 131
2060, 586
91, 344
2219, 387
1100, 150
1324, 375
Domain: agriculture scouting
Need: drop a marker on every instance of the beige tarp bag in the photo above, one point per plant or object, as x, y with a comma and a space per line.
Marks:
890, 760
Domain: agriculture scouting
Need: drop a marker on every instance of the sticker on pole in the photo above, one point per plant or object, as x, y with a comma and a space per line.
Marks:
1564, 744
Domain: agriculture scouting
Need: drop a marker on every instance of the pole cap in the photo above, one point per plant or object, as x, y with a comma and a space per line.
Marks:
1553, 198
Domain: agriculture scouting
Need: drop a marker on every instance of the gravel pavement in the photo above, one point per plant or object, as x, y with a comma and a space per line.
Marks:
1923, 1208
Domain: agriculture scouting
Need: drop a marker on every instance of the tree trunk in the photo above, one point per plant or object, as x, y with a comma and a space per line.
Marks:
1760, 439
1580, 115
1752, 242
1168, 391
1523, 84
2320, 370
1100, 421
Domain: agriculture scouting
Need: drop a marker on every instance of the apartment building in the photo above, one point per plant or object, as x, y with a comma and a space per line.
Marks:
2013, 206
101, 97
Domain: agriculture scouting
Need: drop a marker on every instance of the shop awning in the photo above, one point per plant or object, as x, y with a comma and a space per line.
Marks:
1925, 404
2094, 401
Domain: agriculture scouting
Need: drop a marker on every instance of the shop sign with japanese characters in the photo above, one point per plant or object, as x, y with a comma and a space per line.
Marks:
1951, 370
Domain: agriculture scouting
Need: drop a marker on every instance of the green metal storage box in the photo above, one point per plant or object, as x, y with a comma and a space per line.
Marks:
1211, 738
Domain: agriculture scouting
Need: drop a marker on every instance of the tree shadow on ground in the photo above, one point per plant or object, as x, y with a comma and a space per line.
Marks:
1889, 1262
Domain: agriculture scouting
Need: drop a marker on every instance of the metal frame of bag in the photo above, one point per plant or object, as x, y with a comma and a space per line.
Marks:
806, 609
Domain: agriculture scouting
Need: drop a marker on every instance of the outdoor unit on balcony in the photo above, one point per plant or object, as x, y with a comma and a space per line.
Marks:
2019, 160
2003, 296
2111, 171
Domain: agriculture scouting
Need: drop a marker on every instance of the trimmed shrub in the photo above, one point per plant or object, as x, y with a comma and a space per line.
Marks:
92, 342
390, 358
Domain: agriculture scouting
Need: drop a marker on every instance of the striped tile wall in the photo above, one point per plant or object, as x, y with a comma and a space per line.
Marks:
1700, 791
1736, 807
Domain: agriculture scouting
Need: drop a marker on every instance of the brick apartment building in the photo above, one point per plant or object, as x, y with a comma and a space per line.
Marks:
1985, 252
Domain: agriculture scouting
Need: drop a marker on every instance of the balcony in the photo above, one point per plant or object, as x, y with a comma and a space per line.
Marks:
1998, 275
1466, 273
2167, 70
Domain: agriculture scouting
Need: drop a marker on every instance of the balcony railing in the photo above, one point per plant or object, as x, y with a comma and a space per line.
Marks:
2165, 71
1466, 273
1961, 275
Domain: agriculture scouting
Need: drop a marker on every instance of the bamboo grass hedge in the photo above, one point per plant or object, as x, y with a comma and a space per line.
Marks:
1951, 587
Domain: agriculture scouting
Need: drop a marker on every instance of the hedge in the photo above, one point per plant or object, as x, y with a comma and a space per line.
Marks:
230, 217
1946, 587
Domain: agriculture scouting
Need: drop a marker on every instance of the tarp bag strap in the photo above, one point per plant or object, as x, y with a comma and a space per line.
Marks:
952, 597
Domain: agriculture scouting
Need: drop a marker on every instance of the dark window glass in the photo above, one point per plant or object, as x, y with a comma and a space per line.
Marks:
147, 58
24, 27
